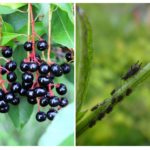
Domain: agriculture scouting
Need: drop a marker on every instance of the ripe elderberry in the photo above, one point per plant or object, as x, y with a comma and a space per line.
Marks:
61, 89
7, 51
28, 46
11, 77
42, 45
40, 116
11, 65
51, 114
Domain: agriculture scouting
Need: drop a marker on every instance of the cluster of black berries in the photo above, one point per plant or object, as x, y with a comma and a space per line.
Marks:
37, 81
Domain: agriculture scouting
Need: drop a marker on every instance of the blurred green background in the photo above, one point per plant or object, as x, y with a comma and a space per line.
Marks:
121, 36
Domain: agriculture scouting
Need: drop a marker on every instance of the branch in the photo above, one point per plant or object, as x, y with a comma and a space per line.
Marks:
99, 111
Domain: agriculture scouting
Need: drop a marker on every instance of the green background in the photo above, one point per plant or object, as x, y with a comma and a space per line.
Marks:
121, 36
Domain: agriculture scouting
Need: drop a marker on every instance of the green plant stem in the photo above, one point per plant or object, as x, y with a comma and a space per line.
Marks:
49, 35
132, 83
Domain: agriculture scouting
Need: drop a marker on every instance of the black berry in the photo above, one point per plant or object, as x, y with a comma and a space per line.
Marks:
27, 85
11, 77
28, 46
61, 89
4, 109
27, 77
40, 116
9, 97
7, 52
63, 102
1, 94
42, 45
44, 68
51, 114
11, 65
30, 93
44, 101
33, 66
66, 68
15, 101
16, 87
22, 92
54, 101
24, 66
43, 80
32, 101
39, 91
56, 70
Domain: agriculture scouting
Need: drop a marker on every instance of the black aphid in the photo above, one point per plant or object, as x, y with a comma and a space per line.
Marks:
113, 101
101, 115
109, 109
113, 91
94, 108
120, 98
132, 71
128, 91
92, 123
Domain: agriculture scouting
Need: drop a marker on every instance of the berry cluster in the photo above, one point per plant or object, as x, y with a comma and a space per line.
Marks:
37, 82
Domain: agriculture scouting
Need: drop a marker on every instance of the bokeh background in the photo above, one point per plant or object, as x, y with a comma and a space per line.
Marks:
121, 36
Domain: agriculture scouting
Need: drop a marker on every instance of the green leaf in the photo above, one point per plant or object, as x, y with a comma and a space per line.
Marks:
68, 8
69, 141
6, 27
13, 5
61, 128
7, 36
84, 59
6, 8
20, 114
16, 19
39, 28
42, 14
62, 29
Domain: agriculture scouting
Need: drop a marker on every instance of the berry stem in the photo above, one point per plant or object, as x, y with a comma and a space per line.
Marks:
38, 103
4, 69
49, 35
28, 32
86, 116
2, 84
33, 32
4, 59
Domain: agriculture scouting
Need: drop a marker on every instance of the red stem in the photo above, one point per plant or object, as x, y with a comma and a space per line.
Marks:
38, 103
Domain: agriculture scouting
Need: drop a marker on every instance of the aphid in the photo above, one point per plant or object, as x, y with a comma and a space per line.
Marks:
132, 71
92, 123
109, 109
128, 91
113, 101
113, 91
120, 98
94, 108
100, 116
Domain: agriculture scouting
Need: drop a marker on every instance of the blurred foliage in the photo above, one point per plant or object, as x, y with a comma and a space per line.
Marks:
19, 126
121, 36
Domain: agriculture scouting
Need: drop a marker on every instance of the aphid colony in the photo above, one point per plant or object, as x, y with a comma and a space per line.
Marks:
131, 72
